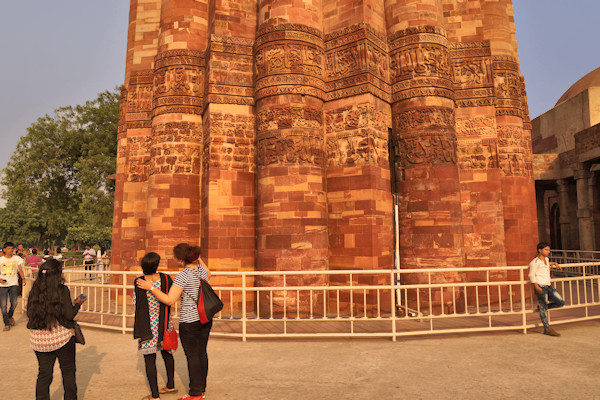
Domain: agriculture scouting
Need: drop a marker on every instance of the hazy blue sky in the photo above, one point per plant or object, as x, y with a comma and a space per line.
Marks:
58, 53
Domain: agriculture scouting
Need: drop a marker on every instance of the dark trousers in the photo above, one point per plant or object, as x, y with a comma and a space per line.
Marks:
88, 267
6, 293
66, 360
194, 338
150, 361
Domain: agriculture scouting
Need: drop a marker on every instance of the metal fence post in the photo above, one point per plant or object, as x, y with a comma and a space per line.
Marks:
244, 306
523, 300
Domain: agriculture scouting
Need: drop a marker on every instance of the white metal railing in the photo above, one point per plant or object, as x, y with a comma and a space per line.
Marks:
355, 303
574, 256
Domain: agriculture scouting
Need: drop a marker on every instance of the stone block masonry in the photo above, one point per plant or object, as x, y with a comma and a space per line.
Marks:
278, 135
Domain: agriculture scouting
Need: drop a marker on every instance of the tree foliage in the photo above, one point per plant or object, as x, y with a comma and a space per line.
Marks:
56, 184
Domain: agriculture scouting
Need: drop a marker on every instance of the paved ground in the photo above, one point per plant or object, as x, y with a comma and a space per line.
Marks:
484, 366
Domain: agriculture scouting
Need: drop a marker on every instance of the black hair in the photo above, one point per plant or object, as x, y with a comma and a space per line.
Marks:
58, 250
150, 263
46, 251
34, 251
8, 244
44, 306
542, 245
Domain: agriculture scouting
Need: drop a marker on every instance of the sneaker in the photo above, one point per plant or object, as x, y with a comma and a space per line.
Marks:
550, 332
188, 397
7, 328
11, 321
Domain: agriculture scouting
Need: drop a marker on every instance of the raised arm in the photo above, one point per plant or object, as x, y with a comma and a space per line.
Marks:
168, 299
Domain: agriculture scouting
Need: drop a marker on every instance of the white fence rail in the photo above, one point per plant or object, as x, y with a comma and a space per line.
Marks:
355, 303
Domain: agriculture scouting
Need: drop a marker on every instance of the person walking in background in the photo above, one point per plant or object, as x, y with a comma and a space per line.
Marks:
34, 260
149, 325
89, 258
51, 312
47, 254
11, 267
539, 274
192, 333
58, 255
21, 252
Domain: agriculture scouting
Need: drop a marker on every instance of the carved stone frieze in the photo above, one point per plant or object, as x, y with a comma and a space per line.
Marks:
358, 148
289, 57
423, 118
355, 33
423, 59
179, 57
294, 148
305, 33
175, 148
477, 155
472, 72
229, 142
289, 117
476, 127
137, 153
426, 149
179, 80
418, 34
359, 57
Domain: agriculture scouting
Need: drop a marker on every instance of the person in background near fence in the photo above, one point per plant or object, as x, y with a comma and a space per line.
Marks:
21, 252
11, 267
192, 333
51, 312
58, 255
89, 258
100, 254
539, 274
149, 325
34, 260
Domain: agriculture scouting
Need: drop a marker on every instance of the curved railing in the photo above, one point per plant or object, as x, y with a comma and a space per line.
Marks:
355, 303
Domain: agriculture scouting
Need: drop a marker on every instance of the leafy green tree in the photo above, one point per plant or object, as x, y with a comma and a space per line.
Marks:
57, 186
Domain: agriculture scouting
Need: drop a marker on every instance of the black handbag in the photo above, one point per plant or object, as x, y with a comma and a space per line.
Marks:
209, 302
78, 334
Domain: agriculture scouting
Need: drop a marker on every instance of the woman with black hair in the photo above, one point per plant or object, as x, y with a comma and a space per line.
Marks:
149, 325
193, 333
51, 312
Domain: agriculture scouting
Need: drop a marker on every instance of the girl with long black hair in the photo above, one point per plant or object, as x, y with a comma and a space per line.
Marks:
192, 333
51, 312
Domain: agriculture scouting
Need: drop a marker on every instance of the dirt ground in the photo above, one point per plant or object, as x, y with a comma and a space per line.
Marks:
483, 366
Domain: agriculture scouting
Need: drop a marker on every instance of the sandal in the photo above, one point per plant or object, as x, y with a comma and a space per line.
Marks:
166, 390
148, 397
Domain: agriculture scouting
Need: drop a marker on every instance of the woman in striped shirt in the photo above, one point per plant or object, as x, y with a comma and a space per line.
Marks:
193, 333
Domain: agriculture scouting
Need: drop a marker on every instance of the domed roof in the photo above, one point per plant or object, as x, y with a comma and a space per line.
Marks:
591, 79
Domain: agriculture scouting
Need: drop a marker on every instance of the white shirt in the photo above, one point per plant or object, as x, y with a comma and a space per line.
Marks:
539, 271
89, 255
9, 270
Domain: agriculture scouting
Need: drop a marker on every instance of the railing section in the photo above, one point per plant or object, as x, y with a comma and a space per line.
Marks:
355, 303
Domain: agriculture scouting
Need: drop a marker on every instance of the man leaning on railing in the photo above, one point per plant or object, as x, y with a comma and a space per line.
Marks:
539, 274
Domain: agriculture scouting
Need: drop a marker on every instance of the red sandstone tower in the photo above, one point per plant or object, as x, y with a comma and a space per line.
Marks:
277, 134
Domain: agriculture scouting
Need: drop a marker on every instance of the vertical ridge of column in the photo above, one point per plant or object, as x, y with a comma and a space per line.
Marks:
291, 187
173, 213
423, 120
133, 149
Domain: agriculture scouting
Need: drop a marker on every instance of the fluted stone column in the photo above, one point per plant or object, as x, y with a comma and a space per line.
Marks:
423, 123
134, 137
173, 213
513, 129
564, 219
289, 92
584, 210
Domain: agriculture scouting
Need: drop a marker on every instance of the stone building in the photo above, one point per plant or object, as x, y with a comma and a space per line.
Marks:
567, 142
280, 134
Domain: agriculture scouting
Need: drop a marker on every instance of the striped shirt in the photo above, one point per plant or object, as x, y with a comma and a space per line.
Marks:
189, 281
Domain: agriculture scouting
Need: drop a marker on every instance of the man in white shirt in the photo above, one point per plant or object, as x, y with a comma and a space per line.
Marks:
11, 267
89, 258
539, 274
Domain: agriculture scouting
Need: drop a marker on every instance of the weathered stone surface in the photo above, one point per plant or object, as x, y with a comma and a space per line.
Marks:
279, 135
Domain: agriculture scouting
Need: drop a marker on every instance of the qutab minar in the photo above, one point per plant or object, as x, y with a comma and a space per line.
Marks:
279, 135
